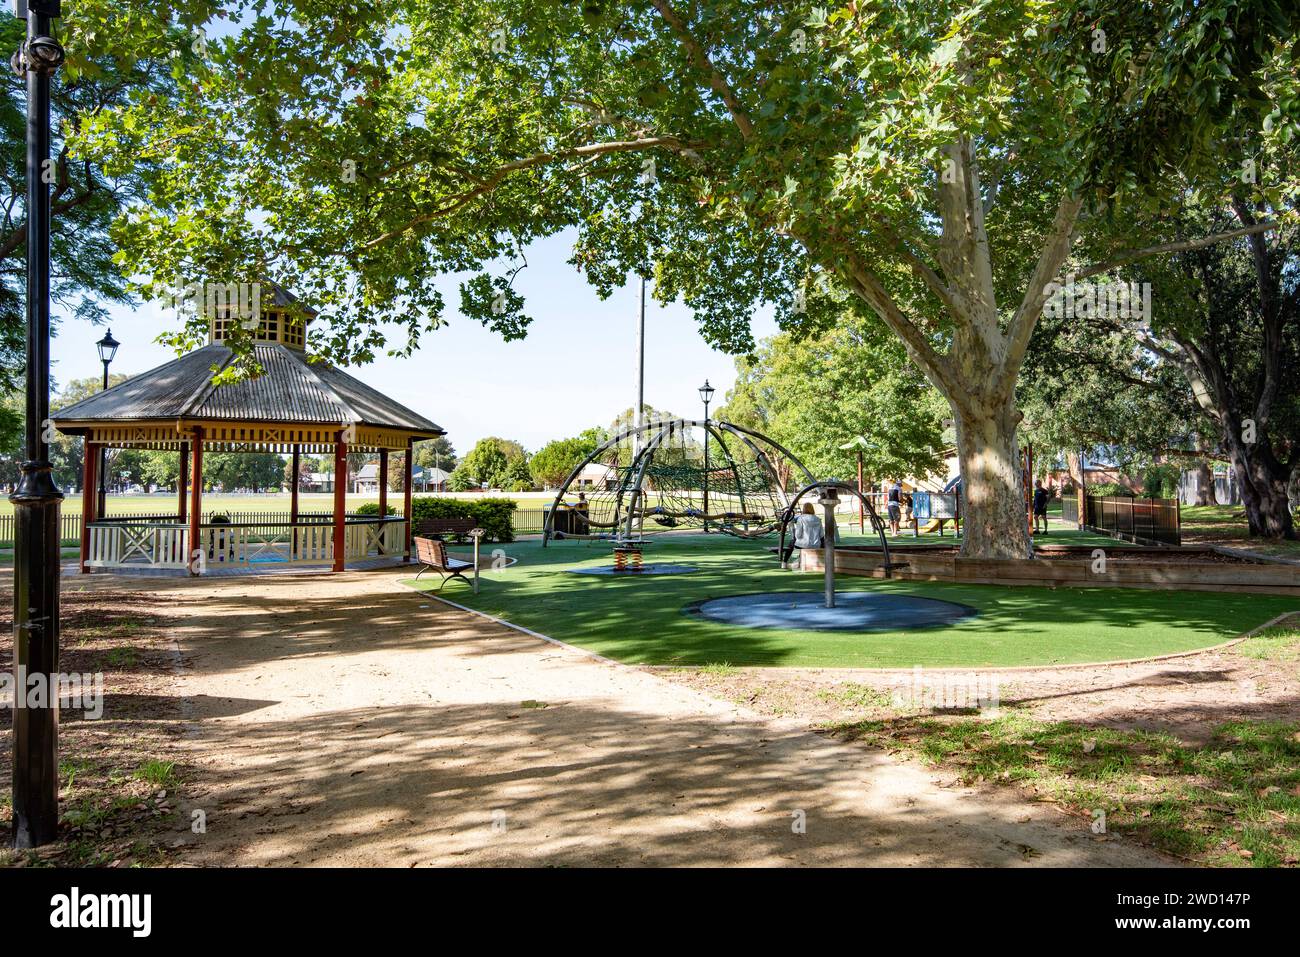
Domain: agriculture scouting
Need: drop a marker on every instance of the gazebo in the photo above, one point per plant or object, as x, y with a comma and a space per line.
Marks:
295, 406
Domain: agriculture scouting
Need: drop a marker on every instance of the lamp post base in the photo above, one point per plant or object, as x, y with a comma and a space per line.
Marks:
36, 656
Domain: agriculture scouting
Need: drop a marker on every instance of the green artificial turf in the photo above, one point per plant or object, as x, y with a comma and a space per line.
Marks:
641, 620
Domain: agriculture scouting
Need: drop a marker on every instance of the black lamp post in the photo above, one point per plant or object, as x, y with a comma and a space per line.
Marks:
36, 500
706, 393
107, 349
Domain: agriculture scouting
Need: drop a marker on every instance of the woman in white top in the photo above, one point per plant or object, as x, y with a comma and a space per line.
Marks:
808, 528
807, 532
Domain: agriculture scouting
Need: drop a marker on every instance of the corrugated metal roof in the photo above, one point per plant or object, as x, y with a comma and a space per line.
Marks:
291, 390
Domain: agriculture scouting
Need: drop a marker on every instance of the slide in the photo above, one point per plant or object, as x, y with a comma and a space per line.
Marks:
936, 524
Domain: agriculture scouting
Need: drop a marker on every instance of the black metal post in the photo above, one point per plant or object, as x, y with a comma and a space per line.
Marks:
102, 508
706, 466
37, 498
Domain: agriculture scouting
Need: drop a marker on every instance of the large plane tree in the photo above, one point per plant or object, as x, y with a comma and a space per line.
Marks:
932, 159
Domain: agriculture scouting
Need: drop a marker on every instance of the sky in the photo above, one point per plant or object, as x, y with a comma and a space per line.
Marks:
575, 369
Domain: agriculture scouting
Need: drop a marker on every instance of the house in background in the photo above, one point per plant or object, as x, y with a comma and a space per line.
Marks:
367, 480
318, 482
429, 479
595, 475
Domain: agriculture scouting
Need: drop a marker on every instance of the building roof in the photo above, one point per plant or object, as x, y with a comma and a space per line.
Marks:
291, 390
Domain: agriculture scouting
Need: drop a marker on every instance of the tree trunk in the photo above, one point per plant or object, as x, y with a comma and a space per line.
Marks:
1205, 484
1264, 497
994, 521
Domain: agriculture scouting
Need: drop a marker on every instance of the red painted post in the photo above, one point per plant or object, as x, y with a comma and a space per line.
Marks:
407, 484
340, 500
293, 500
183, 483
89, 484
383, 495
196, 496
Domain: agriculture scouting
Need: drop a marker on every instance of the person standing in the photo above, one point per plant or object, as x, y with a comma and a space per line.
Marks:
1041, 498
894, 505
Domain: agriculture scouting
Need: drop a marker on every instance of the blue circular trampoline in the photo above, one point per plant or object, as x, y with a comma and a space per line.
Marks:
853, 611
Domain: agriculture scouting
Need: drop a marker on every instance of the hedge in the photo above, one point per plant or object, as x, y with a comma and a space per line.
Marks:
372, 508
493, 515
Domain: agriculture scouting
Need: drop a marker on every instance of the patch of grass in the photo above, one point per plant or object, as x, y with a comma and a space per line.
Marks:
1226, 525
718, 669
850, 694
121, 657
643, 620
161, 774
1273, 644
530, 703
1234, 801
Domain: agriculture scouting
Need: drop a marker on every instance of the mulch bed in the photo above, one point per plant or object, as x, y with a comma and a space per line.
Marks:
118, 777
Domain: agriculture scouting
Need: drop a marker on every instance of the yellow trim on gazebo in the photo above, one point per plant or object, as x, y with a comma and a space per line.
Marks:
232, 436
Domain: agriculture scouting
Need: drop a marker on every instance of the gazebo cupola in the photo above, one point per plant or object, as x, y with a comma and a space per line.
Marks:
295, 405
279, 318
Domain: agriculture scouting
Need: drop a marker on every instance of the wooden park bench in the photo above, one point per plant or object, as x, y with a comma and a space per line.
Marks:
431, 553
438, 527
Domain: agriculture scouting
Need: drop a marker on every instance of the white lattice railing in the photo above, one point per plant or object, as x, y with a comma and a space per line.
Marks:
166, 545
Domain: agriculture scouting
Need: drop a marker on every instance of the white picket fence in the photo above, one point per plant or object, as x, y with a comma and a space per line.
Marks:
158, 545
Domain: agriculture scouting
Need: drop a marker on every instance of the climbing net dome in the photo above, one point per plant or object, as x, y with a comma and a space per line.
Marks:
677, 474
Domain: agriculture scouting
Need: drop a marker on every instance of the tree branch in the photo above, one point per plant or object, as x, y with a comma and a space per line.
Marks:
1178, 247
935, 366
1055, 249
700, 57
452, 203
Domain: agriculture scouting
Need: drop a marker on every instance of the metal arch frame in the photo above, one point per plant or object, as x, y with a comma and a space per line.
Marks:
713, 430
743, 434
646, 454
876, 523
747, 436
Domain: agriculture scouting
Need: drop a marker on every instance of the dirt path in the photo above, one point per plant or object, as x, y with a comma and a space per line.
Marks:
347, 720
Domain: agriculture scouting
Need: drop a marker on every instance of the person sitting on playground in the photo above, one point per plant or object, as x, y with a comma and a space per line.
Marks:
580, 519
894, 505
807, 532
1041, 496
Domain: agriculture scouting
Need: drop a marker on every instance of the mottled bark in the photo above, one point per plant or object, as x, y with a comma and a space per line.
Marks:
1204, 484
994, 523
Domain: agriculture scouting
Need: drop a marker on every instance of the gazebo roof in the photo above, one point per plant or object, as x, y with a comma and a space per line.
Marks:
292, 392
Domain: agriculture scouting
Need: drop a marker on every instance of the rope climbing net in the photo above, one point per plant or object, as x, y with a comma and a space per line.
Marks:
677, 474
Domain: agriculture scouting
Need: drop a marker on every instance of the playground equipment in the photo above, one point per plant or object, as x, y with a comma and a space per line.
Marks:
654, 479
938, 509
829, 496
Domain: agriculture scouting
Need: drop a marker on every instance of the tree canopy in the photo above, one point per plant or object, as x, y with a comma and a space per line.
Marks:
932, 160
813, 395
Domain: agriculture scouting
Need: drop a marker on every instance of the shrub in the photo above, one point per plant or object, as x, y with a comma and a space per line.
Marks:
491, 514
372, 508
461, 480
1110, 489
1161, 481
